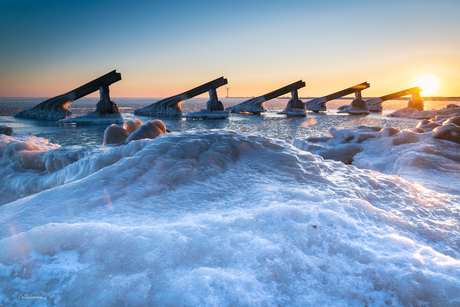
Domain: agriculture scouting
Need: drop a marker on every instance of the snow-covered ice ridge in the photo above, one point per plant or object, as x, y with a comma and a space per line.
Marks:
428, 155
220, 218
450, 110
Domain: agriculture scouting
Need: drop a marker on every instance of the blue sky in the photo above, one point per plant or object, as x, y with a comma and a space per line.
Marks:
163, 48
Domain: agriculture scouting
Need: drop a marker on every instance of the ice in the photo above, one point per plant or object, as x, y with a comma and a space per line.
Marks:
115, 134
149, 130
206, 114
6, 130
450, 110
93, 118
132, 125
133, 130
30, 164
421, 156
222, 218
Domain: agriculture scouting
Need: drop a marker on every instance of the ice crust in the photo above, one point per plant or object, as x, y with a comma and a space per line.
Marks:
93, 118
428, 155
449, 110
6, 130
220, 218
30, 164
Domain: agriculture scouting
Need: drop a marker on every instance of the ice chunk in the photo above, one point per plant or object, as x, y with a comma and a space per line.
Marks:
5, 130
132, 126
149, 130
115, 134
450, 132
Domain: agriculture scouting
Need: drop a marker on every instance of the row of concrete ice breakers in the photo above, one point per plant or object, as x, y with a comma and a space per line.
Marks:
295, 107
57, 107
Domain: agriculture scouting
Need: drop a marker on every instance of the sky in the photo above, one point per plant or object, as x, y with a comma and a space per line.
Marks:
164, 48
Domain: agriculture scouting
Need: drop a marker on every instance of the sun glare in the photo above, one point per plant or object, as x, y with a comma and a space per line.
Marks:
429, 83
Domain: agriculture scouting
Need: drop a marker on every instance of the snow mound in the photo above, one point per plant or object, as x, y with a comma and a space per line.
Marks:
30, 164
421, 156
223, 218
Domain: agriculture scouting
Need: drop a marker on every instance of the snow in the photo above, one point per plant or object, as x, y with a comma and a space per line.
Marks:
450, 110
30, 164
222, 218
425, 157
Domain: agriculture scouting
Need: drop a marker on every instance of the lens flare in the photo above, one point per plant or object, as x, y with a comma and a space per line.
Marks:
429, 83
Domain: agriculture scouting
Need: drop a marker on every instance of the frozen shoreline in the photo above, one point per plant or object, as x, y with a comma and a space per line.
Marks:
221, 215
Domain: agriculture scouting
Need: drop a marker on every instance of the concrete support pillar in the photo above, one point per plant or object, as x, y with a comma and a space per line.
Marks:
213, 103
416, 102
105, 106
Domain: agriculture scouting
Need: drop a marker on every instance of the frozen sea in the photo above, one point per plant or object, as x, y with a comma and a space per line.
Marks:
269, 124
249, 211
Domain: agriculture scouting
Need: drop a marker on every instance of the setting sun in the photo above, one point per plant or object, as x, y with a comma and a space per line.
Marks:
429, 83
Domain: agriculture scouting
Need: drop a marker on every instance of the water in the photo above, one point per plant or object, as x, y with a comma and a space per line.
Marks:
269, 124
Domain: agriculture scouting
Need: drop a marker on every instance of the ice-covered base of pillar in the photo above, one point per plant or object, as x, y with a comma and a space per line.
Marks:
206, 114
43, 114
375, 107
169, 112
93, 118
294, 112
352, 110
317, 108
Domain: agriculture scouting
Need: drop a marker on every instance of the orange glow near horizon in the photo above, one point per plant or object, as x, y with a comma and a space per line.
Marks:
439, 82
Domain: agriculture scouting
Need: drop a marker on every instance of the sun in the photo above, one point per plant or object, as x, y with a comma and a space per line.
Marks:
429, 83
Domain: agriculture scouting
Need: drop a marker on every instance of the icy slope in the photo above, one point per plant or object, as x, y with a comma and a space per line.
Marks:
219, 218
30, 164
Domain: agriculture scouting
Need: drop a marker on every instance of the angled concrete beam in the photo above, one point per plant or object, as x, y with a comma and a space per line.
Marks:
319, 104
256, 105
375, 104
171, 106
57, 107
